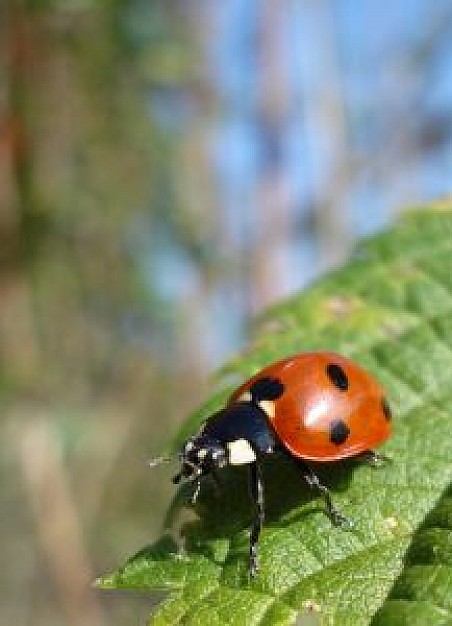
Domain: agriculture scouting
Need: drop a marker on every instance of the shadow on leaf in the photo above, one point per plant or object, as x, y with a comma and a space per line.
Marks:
224, 513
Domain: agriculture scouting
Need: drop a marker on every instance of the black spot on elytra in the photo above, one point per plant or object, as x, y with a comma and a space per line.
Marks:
337, 376
266, 389
386, 409
339, 431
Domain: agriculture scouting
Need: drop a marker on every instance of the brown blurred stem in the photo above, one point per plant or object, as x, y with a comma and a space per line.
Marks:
57, 524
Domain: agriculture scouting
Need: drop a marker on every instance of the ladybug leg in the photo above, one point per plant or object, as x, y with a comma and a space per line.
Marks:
216, 482
375, 459
257, 495
313, 481
196, 491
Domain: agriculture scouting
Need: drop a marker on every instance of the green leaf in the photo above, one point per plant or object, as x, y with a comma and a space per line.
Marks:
390, 309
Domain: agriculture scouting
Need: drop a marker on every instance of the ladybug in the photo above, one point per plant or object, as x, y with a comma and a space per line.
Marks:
314, 406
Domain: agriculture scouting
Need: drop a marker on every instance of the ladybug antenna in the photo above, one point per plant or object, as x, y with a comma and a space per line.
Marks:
159, 460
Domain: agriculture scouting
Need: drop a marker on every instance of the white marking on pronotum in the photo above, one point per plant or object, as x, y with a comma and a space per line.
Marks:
240, 452
245, 397
268, 407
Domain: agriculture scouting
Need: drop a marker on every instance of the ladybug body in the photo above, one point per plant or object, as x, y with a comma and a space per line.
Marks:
316, 406
328, 408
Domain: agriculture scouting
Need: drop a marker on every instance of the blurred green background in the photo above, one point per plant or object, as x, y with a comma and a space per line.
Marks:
167, 169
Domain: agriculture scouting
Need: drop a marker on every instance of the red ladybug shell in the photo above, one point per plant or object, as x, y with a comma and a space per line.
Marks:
329, 409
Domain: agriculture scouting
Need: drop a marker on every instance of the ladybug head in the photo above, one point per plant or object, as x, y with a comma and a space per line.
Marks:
200, 455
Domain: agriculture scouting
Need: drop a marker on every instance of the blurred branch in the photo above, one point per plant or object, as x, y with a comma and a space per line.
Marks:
326, 108
57, 523
273, 196
18, 349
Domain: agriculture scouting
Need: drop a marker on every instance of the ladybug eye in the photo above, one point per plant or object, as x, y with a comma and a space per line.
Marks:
337, 376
